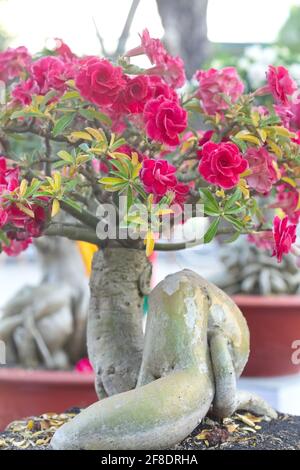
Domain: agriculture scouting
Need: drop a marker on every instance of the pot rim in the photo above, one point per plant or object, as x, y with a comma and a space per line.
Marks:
19, 375
268, 300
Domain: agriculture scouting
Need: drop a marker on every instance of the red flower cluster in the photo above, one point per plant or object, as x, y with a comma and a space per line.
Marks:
105, 85
46, 74
158, 177
169, 67
99, 81
284, 237
287, 198
132, 98
280, 84
263, 173
221, 164
13, 62
214, 84
164, 120
19, 226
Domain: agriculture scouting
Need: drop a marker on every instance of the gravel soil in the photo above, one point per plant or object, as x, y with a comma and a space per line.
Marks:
243, 431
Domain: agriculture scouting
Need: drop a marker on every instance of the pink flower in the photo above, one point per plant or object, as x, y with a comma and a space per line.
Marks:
215, 83
287, 199
13, 62
84, 366
99, 166
99, 81
127, 149
284, 236
296, 139
181, 192
158, 176
49, 73
160, 87
263, 172
263, 240
295, 112
134, 96
20, 226
221, 164
280, 83
152, 48
23, 92
285, 113
63, 50
16, 246
206, 137
169, 67
164, 120
3, 217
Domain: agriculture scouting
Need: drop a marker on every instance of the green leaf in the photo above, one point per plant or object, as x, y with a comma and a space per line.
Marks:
24, 114
209, 210
129, 198
91, 114
66, 156
3, 238
212, 231
59, 164
33, 188
72, 203
63, 123
236, 196
234, 221
235, 210
117, 144
48, 97
70, 95
232, 239
211, 206
140, 190
209, 198
270, 121
122, 167
193, 105
240, 143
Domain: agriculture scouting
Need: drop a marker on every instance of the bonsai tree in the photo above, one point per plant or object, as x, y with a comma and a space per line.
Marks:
120, 154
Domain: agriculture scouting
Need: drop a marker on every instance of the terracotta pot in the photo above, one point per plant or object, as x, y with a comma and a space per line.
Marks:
34, 392
274, 324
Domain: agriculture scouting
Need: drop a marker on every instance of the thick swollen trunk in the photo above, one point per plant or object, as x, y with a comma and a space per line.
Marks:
196, 340
120, 279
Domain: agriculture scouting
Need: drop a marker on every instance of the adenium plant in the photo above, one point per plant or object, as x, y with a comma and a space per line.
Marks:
79, 134
107, 129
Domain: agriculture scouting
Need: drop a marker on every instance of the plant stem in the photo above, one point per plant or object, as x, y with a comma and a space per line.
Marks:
73, 232
83, 216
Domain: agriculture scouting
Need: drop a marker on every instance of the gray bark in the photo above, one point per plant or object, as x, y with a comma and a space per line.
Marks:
186, 30
120, 278
180, 374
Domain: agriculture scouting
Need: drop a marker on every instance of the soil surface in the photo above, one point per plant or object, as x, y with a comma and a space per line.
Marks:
243, 431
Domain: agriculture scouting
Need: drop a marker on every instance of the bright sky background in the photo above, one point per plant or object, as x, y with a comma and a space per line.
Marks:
31, 22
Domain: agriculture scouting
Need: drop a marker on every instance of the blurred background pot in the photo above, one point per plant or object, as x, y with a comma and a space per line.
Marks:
34, 392
274, 323
267, 292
